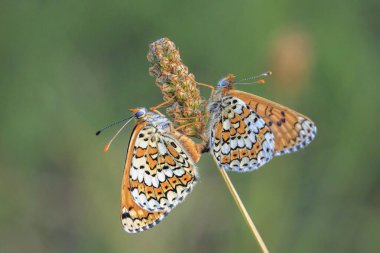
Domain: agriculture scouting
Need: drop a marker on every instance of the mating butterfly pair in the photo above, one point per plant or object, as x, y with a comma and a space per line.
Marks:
245, 132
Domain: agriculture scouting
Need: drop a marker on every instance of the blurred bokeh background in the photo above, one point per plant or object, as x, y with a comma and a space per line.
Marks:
67, 68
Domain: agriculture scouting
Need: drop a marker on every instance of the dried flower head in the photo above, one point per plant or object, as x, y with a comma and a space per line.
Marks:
176, 83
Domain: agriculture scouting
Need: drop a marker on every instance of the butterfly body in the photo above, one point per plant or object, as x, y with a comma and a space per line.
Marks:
159, 172
246, 131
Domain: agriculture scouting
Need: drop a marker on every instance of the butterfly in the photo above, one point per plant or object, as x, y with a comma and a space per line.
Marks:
246, 131
159, 171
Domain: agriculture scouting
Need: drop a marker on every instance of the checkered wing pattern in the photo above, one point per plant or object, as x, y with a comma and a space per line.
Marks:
158, 175
240, 140
292, 130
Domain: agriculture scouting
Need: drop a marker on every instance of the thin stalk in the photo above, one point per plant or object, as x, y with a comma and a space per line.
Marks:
243, 211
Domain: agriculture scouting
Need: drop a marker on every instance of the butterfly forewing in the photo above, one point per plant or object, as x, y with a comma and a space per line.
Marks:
240, 139
158, 176
292, 130
135, 219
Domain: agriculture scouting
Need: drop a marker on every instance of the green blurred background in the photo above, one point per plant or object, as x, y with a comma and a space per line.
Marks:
68, 68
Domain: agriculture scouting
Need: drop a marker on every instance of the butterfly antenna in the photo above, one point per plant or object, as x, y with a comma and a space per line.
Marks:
111, 125
256, 78
107, 146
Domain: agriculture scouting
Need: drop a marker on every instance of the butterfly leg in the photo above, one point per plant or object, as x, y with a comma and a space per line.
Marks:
154, 108
186, 125
208, 86
182, 120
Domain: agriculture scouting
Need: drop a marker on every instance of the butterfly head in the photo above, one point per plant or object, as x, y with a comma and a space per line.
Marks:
152, 118
222, 88
227, 82
139, 113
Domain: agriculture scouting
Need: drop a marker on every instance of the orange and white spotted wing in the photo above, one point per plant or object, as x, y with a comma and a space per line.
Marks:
158, 175
292, 130
240, 140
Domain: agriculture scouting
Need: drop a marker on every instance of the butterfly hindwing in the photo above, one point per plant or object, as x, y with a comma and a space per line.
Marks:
240, 139
292, 130
162, 174
158, 175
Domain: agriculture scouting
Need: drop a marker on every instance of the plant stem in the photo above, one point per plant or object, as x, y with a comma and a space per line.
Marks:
243, 211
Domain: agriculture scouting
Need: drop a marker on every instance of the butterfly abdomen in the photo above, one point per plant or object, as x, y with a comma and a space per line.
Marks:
194, 151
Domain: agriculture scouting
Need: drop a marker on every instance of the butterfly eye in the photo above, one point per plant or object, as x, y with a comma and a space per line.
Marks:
223, 83
139, 114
